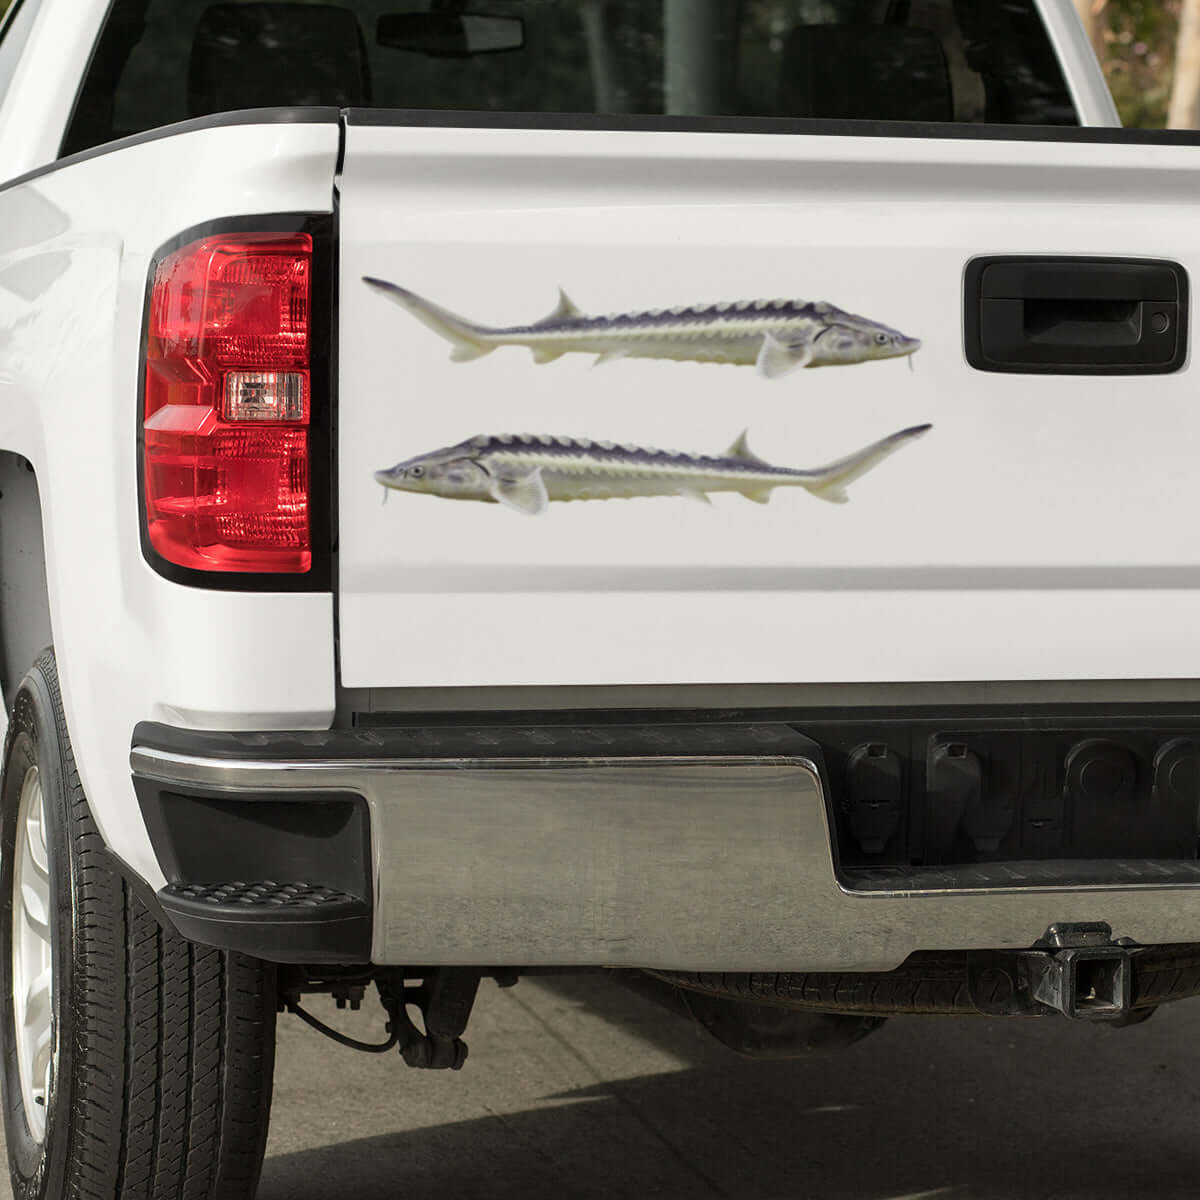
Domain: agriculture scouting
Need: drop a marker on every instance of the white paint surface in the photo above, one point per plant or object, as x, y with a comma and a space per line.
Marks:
1040, 530
75, 252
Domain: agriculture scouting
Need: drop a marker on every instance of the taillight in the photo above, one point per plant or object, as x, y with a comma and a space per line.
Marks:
228, 401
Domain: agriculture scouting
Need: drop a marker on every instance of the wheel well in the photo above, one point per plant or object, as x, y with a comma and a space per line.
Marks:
24, 603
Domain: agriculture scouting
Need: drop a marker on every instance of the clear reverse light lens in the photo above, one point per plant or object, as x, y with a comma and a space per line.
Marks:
265, 396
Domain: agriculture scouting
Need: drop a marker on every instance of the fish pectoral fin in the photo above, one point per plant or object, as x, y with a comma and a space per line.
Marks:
759, 495
610, 356
524, 493
545, 354
775, 360
696, 496
564, 310
742, 452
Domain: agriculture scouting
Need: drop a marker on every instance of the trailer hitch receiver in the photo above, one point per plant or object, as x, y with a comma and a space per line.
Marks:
1087, 976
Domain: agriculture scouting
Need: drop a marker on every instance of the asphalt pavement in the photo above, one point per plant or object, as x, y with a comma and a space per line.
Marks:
577, 1088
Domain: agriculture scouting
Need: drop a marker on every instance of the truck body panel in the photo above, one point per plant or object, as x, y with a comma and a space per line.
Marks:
75, 249
1034, 533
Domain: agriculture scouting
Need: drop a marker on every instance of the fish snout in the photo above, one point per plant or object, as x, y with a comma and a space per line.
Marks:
389, 477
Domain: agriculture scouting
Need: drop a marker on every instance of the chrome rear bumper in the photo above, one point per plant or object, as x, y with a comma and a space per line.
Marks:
677, 861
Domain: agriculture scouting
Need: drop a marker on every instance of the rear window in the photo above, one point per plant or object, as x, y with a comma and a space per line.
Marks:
974, 61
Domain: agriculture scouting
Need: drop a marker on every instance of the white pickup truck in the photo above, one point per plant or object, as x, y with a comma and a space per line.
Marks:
568, 701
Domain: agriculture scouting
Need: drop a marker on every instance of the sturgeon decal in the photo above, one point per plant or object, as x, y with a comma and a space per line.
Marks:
527, 472
776, 336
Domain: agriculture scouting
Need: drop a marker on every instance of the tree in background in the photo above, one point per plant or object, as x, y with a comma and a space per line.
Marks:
1185, 93
1136, 42
1091, 13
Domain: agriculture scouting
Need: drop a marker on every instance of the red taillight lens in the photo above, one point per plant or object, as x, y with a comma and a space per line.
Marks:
228, 400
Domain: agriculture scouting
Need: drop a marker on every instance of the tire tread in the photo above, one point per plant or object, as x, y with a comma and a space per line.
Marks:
173, 1042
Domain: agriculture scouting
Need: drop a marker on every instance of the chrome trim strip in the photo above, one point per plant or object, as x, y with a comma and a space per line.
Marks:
358, 774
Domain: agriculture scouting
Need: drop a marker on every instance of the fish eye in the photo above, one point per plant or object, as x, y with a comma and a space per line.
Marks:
883, 338
416, 472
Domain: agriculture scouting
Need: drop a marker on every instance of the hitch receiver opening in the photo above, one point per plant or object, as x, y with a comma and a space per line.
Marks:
1088, 984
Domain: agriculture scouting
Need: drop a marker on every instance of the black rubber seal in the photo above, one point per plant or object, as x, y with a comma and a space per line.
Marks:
484, 739
422, 118
249, 116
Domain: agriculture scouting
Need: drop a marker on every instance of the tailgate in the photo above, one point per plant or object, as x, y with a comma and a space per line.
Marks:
1043, 527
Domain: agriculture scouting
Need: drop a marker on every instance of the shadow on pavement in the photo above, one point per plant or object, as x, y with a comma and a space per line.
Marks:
934, 1107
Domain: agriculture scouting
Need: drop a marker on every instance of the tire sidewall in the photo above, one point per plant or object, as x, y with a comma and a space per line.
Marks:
33, 739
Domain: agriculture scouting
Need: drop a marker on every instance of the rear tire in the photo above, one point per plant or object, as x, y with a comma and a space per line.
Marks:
161, 1051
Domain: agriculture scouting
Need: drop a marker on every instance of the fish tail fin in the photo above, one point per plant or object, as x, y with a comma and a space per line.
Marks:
468, 340
830, 483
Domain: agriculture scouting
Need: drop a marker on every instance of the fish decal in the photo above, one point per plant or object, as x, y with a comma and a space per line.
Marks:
776, 336
527, 472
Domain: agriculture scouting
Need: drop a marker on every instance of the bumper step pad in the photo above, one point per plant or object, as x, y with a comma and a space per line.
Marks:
302, 896
267, 919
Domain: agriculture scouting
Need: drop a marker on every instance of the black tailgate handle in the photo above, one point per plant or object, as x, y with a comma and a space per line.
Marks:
1076, 316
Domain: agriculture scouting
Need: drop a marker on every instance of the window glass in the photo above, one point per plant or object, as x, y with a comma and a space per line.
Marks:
14, 33
978, 61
